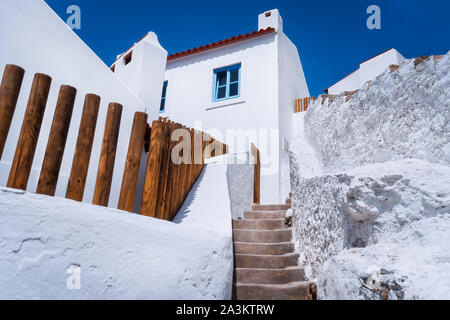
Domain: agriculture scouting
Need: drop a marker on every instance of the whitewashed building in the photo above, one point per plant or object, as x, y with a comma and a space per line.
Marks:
367, 71
246, 83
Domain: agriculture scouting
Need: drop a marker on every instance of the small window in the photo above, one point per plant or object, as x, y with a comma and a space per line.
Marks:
227, 83
162, 107
113, 68
268, 14
127, 58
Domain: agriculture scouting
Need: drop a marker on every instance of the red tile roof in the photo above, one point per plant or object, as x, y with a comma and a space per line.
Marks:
207, 47
221, 43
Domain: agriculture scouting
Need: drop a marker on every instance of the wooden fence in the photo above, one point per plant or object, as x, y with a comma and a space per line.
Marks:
302, 104
167, 183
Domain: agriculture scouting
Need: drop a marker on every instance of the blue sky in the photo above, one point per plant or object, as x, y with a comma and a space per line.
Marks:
331, 36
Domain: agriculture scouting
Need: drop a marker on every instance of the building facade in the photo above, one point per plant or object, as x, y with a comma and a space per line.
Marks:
367, 71
245, 85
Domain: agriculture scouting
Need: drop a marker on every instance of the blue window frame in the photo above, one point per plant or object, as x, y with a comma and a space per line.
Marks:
162, 107
227, 83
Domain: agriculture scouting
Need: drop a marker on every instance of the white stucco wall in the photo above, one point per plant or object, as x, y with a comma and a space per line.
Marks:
39, 41
372, 68
190, 98
119, 255
349, 83
368, 70
271, 78
291, 85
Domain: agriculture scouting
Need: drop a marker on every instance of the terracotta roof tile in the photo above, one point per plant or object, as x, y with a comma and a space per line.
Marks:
208, 46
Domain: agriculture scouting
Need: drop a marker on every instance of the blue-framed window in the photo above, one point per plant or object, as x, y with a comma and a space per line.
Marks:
227, 83
162, 107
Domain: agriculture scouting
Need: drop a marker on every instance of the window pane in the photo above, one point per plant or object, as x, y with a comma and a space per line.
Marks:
222, 78
163, 102
234, 89
234, 75
221, 92
164, 90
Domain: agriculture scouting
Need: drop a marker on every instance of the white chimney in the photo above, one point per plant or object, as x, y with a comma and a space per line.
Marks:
272, 19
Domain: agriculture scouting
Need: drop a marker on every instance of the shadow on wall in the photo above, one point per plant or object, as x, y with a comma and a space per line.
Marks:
185, 209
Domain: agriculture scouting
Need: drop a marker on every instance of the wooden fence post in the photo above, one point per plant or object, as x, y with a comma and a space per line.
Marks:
107, 155
184, 176
133, 162
9, 92
152, 175
175, 177
56, 141
257, 174
29, 134
82, 156
164, 172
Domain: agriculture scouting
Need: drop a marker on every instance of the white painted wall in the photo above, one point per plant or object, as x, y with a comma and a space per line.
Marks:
144, 75
121, 255
190, 96
271, 78
367, 71
291, 85
39, 41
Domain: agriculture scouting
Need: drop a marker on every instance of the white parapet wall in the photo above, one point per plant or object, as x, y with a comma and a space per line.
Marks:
367, 71
36, 39
54, 248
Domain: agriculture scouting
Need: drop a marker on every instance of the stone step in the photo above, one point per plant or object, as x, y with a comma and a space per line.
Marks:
263, 248
265, 261
265, 236
269, 276
270, 207
265, 215
260, 224
300, 290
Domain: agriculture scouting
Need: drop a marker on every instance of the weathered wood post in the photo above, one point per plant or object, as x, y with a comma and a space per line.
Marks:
163, 177
192, 166
82, 156
257, 174
9, 93
107, 155
166, 174
184, 167
29, 134
56, 141
132, 165
152, 175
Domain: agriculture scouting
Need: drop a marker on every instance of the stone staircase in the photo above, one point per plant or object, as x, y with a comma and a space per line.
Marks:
266, 267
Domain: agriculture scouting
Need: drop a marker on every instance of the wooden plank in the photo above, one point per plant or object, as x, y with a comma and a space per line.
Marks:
82, 156
184, 167
56, 141
152, 174
132, 164
164, 172
192, 166
175, 189
107, 155
9, 93
29, 134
